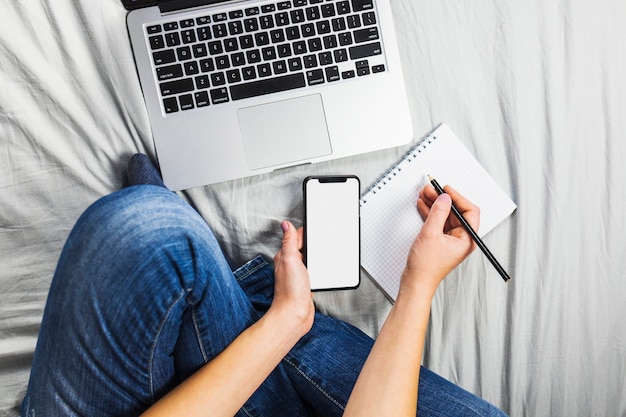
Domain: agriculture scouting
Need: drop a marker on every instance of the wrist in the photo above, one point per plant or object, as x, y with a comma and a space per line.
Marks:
416, 285
291, 324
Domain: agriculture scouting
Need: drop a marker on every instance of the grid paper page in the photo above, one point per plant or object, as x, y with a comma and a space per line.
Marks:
389, 217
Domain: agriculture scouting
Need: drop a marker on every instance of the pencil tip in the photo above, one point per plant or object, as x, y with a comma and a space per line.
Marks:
430, 178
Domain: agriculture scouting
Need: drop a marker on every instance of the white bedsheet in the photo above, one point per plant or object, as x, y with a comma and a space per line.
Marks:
536, 90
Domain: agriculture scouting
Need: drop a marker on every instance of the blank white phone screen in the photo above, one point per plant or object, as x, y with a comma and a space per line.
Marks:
332, 232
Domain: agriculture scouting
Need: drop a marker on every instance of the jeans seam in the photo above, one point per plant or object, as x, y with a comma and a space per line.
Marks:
156, 341
259, 262
316, 385
194, 317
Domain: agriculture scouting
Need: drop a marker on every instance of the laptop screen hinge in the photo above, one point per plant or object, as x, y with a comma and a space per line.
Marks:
170, 6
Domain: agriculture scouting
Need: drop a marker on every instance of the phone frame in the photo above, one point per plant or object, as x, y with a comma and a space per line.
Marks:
332, 179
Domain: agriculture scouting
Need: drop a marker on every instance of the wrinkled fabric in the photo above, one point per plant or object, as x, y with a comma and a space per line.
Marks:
534, 89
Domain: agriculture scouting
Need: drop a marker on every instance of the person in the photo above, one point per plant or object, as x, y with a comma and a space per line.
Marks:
145, 316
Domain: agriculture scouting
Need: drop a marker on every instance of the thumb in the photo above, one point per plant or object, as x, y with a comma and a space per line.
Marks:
439, 212
290, 237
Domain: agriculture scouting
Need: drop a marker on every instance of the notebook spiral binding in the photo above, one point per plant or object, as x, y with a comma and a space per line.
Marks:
388, 176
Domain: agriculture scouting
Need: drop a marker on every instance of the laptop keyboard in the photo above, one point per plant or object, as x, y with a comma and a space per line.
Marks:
273, 47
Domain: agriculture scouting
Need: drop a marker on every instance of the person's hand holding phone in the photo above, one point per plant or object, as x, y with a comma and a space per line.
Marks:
292, 287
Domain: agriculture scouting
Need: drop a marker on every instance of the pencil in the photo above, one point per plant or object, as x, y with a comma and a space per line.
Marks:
473, 234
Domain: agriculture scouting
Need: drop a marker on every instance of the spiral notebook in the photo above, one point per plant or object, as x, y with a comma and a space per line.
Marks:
389, 218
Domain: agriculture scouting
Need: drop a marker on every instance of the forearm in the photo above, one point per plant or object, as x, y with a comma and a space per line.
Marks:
223, 385
388, 382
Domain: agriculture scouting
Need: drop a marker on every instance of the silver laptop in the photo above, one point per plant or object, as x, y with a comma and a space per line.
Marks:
239, 88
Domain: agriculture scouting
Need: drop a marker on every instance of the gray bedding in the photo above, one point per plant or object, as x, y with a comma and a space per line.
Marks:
536, 90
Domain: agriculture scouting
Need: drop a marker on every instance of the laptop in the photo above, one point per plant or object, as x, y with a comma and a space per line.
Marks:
239, 88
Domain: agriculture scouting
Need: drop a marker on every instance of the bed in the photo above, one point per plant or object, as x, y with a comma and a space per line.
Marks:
535, 89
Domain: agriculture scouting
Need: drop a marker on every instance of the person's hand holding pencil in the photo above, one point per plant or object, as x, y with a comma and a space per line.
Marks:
389, 378
442, 242
470, 228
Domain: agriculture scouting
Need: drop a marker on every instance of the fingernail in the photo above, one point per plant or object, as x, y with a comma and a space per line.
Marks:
284, 226
444, 197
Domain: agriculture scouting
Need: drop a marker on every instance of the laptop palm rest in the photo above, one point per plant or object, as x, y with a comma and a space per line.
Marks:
285, 131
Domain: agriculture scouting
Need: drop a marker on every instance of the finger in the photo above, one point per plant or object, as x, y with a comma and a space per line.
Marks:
290, 237
469, 210
300, 238
423, 208
439, 212
429, 194
427, 197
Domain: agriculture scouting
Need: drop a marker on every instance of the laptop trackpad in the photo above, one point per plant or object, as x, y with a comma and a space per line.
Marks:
284, 131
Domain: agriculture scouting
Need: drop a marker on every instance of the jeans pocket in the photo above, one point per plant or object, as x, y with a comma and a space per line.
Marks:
256, 278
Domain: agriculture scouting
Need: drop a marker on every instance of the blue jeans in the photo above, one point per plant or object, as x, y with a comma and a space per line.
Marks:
142, 297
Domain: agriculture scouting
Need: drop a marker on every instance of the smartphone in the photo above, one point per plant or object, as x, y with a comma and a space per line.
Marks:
332, 231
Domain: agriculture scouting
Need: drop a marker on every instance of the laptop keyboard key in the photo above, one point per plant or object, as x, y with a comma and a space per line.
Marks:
169, 72
362, 5
189, 36
202, 81
233, 76
186, 102
332, 73
219, 31
203, 20
248, 73
365, 35
341, 55
156, 42
369, 18
354, 21
267, 86
313, 13
184, 53
328, 10
191, 68
170, 26
215, 47
363, 51
204, 33
343, 7
199, 50
170, 105
164, 57
169, 88
154, 29
246, 41
295, 64
207, 65
219, 95
172, 39
253, 11
187, 23
264, 70
202, 99
218, 78
251, 24
220, 17
315, 77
